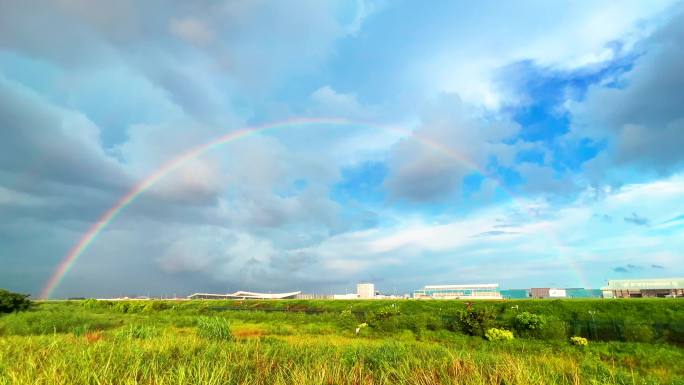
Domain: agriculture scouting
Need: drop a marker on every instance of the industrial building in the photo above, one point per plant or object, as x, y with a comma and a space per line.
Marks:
637, 288
515, 293
246, 295
365, 290
480, 291
546, 292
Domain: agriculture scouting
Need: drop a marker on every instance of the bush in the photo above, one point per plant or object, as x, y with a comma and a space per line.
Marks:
347, 320
155, 306
579, 341
638, 332
529, 321
121, 307
91, 303
494, 334
11, 302
384, 319
554, 329
214, 328
475, 321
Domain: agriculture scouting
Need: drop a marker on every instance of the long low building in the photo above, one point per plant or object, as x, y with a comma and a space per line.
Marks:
480, 291
637, 288
246, 295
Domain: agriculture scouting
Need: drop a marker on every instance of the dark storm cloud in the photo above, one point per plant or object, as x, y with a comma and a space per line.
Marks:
43, 142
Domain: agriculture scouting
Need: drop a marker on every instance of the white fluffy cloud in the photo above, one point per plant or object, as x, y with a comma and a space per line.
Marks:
525, 238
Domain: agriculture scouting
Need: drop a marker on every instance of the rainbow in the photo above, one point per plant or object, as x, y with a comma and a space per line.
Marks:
96, 228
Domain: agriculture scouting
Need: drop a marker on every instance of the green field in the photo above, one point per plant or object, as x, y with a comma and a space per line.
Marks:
635, 341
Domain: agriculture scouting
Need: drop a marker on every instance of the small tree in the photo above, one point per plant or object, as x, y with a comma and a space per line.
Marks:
11, 302
476, 321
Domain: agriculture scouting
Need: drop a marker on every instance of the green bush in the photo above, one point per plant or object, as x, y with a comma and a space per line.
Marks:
11, 302
529, 321
385, 319
638, 331
476, 321
554, 329
121, 307
494, 334
214, 328
155, 306
347, 320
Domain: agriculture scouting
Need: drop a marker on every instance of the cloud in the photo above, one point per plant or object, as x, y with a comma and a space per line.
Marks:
494, 233
452, 141
640, 113
657, 266
637, 220
52, 143
96, 96
575, 35
629, 268
539, 237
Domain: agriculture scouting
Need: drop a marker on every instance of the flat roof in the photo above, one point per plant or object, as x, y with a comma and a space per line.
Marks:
650, 283
483, 285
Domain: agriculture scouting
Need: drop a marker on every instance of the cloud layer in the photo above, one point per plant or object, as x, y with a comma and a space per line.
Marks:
553, 159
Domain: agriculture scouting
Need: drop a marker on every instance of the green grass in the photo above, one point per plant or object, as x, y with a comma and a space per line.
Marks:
412, 342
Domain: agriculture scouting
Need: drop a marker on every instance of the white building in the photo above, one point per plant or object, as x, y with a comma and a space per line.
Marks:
345, 296
246, 295
480, 291
365, 290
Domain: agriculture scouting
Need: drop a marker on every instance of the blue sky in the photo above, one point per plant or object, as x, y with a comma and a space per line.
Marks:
526, 144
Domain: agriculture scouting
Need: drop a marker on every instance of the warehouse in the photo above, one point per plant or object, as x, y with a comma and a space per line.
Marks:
638, 288
245, 295
481, 291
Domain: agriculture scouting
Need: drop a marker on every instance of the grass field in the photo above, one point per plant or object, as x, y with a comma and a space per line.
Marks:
315, 342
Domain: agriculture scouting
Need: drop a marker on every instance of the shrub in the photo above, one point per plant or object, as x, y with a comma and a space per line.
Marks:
529, 321
638, 332
384, 319
384, 314
554, 329
11, 302
579, 341
154, 306
475, 321
494, 334
121, 307
90, 303
214, 328
347, 319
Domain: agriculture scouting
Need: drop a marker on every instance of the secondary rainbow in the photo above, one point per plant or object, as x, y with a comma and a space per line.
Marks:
96, 228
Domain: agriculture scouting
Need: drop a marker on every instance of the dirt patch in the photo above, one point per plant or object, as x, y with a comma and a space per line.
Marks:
93, 337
